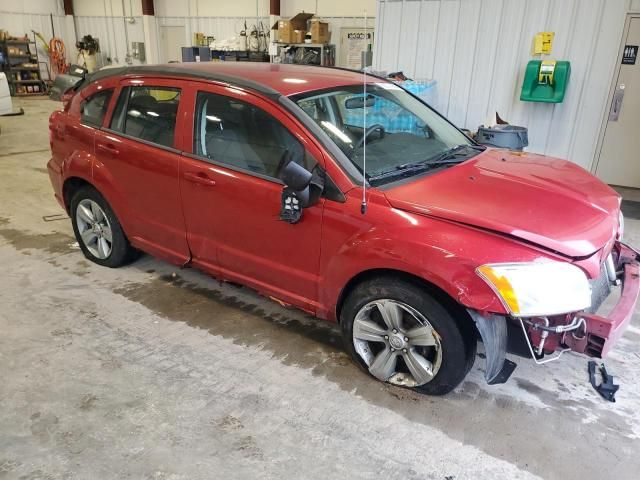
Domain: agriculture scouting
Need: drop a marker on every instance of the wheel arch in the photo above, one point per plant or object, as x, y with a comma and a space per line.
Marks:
74, 183
70, 186
457, 311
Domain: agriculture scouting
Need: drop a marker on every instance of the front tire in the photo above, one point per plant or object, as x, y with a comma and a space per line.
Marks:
98, 230
402, 335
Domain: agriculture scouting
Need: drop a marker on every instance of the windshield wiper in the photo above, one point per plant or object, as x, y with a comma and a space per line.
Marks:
447, 157
450, 156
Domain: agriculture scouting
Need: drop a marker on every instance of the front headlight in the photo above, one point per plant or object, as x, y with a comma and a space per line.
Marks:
538, 289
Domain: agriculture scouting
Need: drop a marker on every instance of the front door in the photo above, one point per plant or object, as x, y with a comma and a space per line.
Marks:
619, 163
138, 152
231, 197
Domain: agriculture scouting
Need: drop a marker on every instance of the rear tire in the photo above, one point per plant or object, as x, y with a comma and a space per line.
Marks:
98, 230
399, 333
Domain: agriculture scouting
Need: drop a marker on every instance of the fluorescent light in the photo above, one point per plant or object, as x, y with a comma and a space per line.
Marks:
134, 113
336, 131
153, 114
294, 80
213, 118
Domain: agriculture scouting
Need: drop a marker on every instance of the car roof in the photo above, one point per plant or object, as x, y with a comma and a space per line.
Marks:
268, 78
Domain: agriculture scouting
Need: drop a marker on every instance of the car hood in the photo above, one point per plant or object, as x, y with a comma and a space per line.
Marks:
550, 202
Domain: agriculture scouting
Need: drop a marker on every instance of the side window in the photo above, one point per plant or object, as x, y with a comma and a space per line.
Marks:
93, 109
241, 135
147, 113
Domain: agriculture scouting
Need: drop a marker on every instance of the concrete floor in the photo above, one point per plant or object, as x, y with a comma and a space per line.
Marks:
151, 372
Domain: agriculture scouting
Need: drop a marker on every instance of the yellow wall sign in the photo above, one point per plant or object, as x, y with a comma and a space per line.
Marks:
542, 43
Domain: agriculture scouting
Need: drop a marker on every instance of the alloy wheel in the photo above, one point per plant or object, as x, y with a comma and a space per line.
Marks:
397, 343
94, 229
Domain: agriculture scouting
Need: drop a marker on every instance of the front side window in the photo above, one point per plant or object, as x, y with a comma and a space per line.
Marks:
94, 108
403, 136
242, 135
147, 113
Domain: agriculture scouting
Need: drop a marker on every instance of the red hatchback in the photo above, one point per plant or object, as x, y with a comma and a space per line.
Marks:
369, 209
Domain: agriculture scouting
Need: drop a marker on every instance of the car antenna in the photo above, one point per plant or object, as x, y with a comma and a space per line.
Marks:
363, 206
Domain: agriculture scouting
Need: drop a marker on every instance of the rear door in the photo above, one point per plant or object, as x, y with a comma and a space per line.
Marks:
138, 152
232, 196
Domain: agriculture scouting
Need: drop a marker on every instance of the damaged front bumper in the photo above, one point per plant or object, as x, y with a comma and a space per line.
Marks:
602, 333
583, 332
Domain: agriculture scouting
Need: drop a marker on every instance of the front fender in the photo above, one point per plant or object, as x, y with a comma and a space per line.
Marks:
442, 253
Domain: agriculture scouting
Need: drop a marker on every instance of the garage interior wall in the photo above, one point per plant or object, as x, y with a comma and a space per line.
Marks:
208, 17
20, 18
477, 51
112, 22
103, 19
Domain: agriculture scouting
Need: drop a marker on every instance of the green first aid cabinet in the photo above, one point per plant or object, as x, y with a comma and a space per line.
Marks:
534, 90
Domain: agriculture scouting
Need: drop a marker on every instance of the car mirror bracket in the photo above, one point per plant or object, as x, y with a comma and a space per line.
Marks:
302, 189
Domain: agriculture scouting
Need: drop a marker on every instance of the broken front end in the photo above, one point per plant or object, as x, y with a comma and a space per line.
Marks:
532, 329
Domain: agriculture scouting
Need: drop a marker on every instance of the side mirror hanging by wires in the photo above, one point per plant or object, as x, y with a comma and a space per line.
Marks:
302, 189
290, 208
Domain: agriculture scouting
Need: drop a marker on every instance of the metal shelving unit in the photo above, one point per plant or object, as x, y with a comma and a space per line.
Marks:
327, 51
22, 69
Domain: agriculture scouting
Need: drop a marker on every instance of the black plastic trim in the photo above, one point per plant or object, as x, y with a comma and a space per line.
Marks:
331, 190
140, 140
232, 167
169, 71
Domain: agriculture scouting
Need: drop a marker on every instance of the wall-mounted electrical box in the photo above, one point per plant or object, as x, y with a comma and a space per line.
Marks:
543, 43
545, 81
138, 51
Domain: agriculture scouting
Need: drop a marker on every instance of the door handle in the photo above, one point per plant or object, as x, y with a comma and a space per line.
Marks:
199, 178
109, 149
616, 103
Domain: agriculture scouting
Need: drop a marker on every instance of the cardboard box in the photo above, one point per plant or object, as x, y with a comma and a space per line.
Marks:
199, 39
298, 36
285, 31
287, 28
319, 32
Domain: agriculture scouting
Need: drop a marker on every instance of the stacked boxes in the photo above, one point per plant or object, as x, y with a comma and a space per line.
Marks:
295, 29
319, 31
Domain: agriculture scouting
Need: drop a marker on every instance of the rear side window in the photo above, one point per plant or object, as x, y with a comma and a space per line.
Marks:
147, 113
239, 134
93, 109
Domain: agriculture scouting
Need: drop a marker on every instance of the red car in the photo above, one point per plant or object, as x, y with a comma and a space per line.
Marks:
371, 210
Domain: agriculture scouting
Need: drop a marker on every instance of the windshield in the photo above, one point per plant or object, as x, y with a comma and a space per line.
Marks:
401, 131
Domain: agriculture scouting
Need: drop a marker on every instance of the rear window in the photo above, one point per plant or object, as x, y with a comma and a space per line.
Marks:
94, 108
147, 113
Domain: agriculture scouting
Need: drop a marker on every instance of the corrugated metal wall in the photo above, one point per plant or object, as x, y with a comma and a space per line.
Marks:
110, 31
220, 27
225, 27
477, 51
